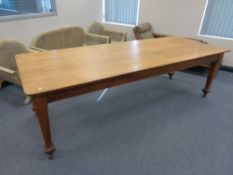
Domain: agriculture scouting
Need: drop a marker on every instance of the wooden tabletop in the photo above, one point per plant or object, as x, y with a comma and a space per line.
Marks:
53, 70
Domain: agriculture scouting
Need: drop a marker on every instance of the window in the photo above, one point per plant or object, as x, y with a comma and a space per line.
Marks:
14, 9
121, 11
218, 19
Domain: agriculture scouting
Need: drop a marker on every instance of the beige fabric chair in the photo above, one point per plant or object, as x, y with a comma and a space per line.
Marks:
98, 29
8, 68
67, 37
145, 31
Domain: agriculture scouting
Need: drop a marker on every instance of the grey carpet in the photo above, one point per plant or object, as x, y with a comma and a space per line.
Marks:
151, 127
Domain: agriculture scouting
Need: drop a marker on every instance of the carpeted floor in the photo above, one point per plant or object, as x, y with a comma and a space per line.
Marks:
152, 127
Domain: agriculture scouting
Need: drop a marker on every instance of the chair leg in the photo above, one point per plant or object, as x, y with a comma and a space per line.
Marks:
27, 100
171, 75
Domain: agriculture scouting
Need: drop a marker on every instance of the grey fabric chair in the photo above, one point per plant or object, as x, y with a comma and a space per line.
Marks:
66, 37
145, 31
8, 67
98, 29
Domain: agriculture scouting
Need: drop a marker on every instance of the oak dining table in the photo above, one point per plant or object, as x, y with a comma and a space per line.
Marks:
59, 74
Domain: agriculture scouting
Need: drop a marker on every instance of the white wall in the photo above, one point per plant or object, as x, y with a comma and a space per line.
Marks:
177, 17
71, 12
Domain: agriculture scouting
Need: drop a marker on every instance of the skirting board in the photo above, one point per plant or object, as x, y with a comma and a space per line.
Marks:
227, 68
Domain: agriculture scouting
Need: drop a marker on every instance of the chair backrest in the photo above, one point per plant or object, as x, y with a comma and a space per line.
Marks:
143, 31
73, 36
60, 38
8, 50
96, 28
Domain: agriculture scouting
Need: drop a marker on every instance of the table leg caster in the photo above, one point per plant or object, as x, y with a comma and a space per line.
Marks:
171, 75
50, 156
205, 92
50, 152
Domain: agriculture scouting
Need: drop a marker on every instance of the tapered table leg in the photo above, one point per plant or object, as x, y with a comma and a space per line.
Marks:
40, 106
212, 74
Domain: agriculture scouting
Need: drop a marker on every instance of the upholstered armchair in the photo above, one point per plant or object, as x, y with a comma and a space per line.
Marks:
145, 31
67, 37
98, 29
8, 68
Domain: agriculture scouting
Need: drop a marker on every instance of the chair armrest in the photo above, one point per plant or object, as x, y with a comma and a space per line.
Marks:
36, 49
33, 50
93, 39
9, 75
115, 35
7, 71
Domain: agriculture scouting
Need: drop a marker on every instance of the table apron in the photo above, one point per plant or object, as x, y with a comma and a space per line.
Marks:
126, 78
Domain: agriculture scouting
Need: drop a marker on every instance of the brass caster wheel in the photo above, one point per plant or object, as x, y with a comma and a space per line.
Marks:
171, 75
50, 152
50, 156
205, 92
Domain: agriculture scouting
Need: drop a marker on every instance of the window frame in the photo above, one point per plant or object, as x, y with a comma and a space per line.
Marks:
30, 15
202, 23
116, 23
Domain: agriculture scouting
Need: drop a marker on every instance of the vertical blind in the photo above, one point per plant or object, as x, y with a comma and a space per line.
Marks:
17, 7
121, 11
218, 19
